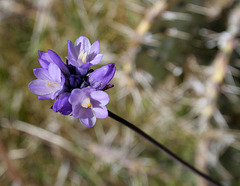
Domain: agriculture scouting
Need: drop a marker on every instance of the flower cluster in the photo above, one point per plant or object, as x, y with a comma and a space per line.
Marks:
78, 90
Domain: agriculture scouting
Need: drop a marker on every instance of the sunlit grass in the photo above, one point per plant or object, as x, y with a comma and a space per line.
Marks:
166, 83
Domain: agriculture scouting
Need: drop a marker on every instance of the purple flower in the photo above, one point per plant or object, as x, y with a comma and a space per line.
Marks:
99, 78
62, 104
78, 90
46, 58
49, 82
83, 54
89, 104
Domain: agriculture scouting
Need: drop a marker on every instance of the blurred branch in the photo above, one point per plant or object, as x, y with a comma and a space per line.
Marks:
142, 28
62, 173
11, 171
227, 43
40, 133
151, 14
54, 139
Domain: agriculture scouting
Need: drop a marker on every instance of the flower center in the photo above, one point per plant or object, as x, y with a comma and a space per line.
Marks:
83, 56
52, 85
86, 103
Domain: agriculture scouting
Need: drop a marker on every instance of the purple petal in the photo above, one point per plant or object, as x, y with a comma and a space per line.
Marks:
41, 73
39, 87
77, 47
72, 51
100, 96
44, 97
54, 72
100, 112
72, 61
58, 61
62, 104
56, 93
96, 60
40, 53
46, 57
87, 118
85, 44
83, 69
43, 63
76, 96
76, 110
94, 50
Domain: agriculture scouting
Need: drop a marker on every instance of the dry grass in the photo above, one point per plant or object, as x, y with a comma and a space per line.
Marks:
177, 78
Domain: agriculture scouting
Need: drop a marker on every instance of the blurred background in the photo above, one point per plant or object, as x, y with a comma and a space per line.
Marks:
178, 77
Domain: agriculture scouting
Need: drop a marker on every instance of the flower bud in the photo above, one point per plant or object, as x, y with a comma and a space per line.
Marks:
99, 78
62, 104
75, 81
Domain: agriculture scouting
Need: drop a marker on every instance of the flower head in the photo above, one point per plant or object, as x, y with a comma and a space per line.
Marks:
78, 90
89, 104
82, 54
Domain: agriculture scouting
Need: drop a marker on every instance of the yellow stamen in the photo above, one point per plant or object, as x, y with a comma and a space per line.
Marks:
86, 103
51, 84
89, 105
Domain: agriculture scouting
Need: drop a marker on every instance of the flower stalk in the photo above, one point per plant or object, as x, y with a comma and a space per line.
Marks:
162, 148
